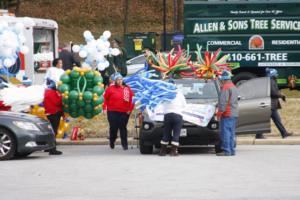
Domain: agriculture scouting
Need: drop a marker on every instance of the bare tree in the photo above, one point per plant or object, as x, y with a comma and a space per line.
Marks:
179, 15
126, 13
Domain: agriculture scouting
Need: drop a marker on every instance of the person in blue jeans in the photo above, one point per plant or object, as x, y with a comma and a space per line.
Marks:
227, 114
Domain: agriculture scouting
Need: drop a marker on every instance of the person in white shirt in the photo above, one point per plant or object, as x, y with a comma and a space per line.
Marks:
54, 73
172, 123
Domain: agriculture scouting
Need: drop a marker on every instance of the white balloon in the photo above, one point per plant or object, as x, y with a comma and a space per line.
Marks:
87, 34
101, 66
76, 48
3, 24
100, 45
105, 52
83, 54
6, 52
106, 64
107, 44
100, 56
106, 34
22, 39
115, 51
24, 49
8, 62
85, 65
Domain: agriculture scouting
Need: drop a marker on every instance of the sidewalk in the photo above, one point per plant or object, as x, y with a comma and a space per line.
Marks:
249, 140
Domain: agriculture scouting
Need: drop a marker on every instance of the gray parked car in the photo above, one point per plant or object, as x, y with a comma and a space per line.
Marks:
22, 134
254, 113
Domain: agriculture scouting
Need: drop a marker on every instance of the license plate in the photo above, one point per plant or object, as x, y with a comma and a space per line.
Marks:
183, 133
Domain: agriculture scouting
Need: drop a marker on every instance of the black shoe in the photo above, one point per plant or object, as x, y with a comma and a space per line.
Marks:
260, 136
55, 152
287, 135
223, 154
112, 145
125, 148
163, 150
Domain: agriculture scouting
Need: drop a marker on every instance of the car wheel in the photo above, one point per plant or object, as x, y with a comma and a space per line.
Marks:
7, 145
242, 77
145, 149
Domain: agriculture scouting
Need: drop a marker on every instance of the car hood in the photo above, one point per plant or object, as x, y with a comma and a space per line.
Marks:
20, 116
202, 101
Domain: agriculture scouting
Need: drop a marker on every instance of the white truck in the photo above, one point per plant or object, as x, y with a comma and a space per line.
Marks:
41, 39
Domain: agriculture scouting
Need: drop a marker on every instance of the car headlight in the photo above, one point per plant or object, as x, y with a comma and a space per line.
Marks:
146, 126
26, 125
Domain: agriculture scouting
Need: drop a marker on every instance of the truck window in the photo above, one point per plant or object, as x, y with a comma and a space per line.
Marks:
43, 44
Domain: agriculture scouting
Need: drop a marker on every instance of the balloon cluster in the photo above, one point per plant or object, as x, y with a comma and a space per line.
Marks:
11, 43
39, 111
149, 93
96, 50
179, 64
170, 63
82, 91
63, 128
211, 66
40, 57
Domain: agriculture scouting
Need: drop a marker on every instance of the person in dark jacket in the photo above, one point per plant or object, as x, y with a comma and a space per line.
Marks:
119, 61
275, 104
118, 100
68, 58
53, 109
227, 114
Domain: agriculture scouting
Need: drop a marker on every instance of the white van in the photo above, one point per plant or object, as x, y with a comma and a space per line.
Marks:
42, 40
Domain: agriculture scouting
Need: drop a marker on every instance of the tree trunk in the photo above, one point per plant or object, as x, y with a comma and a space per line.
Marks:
126, 13
179, 15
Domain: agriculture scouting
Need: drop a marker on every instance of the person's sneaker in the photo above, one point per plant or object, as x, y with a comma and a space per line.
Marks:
55, 152
287, 135
125, 148
112, 145
223, 154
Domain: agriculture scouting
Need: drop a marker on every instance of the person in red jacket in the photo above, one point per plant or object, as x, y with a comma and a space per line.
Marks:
53, 109
118, 102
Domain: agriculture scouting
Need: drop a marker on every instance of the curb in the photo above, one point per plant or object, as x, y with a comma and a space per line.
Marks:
240, 141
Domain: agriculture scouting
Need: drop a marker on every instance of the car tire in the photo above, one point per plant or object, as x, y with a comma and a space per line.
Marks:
242, 77
145, 149
8, 144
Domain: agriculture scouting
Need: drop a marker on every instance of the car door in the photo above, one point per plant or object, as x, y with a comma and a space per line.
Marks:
254, 106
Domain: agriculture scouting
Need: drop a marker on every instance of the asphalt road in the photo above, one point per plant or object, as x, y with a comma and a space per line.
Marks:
96, 172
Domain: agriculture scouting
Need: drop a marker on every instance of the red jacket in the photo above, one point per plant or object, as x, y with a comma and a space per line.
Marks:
52, 102
118, 98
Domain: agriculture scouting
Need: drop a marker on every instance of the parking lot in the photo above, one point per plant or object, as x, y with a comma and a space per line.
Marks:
96, 172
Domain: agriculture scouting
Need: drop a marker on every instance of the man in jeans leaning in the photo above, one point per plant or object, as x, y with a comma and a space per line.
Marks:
227, 113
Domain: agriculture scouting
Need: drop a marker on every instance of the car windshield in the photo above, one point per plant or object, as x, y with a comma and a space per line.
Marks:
137, 60
197, 89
